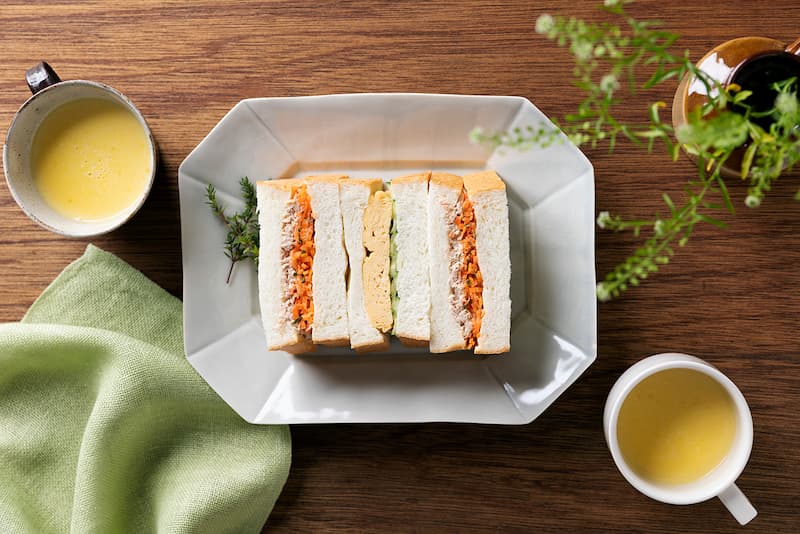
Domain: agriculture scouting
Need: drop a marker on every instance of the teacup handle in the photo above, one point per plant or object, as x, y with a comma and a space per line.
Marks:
737, 504
794, 48
40, 76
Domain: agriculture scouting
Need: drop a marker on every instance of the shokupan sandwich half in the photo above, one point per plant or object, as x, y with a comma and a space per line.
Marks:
411, 292
367, 216
470, 266
302, 263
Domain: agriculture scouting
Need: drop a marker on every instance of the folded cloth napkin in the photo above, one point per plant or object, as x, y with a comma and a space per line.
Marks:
105, 427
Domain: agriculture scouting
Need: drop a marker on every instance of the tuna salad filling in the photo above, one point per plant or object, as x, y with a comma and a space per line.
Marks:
466, 282
297, 260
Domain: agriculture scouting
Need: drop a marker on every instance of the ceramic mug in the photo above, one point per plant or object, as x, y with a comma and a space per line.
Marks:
49, 92
720, 482
759, 59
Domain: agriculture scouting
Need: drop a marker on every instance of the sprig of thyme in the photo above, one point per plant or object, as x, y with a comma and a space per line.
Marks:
606, 53
241, 241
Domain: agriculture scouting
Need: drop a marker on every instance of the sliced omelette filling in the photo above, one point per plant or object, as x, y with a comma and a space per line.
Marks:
376, 267
297, 260
466, 281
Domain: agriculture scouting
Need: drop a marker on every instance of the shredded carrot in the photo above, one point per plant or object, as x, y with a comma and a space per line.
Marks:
469, 271
302, 260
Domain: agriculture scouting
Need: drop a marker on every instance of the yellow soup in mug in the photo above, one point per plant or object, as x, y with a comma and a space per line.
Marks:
91, 159
676, 426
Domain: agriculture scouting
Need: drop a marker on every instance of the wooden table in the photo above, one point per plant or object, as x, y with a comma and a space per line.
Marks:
729, 296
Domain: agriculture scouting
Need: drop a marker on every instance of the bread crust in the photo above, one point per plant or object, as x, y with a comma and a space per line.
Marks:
447, 179
300, 347
412, 178
325, 178
286, 184
374, 184
479, 182
373, 347
496, 351
413, 342
451, 348
334, 342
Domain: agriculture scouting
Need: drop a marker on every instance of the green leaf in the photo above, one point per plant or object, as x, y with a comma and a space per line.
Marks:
668, 202
675, 151
659, 77
651, 134
747, 159
725, 195
741, 96
711, 220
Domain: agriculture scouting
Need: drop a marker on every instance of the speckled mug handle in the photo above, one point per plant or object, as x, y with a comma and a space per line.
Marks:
40, 76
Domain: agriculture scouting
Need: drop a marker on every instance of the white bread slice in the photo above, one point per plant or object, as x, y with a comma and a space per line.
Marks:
329, 271
443, 196
273, 197
487, 192
354, 196
412, 322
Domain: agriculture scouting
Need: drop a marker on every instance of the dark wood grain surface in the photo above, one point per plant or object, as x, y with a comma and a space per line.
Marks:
729, 297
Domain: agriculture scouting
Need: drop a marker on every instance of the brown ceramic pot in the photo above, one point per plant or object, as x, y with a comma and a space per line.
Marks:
751, 62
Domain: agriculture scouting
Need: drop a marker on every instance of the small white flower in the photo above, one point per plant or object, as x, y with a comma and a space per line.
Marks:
610, 3
603, 218
752, 201
659, 227
603, 295
544, 23
476, 135
582, 50
609, 83
786, 103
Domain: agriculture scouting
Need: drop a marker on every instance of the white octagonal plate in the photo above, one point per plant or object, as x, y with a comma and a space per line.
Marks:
551, 201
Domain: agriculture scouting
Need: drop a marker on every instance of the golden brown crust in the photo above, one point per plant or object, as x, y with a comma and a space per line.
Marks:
412, 178
326, 178
374, 347
451, 348
413, 342
497, 351
479, 182
286, 184
374, 184
299, 347
447, 180
334, 342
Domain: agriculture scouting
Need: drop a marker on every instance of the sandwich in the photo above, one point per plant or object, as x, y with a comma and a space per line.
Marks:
410, 287
302, 263
468, 229
366, 218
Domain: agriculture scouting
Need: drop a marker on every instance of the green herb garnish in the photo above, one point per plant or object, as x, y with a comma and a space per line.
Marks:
606, 56
241, 241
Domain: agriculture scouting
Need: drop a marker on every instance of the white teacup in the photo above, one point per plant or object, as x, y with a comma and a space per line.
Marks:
49, 92
720, 482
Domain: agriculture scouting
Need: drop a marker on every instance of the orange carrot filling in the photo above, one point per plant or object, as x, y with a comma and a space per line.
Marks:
302, 260
469, 272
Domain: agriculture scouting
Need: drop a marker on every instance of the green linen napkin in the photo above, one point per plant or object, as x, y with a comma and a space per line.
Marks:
105, 427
